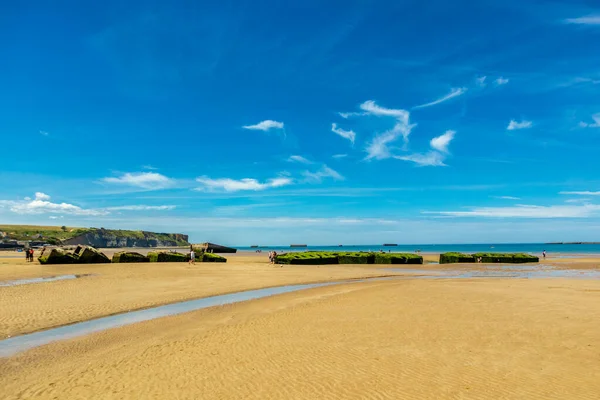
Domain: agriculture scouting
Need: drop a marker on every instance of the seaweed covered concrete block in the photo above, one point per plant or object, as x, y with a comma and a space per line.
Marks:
57, 256
167, 256
90, 255
398, 258
505, 258
129, 257
209, 257
329, 257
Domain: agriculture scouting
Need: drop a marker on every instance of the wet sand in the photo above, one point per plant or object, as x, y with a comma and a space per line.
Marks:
410, 339
116, 288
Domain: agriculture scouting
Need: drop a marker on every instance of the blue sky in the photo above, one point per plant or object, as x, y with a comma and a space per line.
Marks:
319, 122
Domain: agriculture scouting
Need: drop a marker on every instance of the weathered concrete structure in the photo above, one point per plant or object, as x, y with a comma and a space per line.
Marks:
213, 248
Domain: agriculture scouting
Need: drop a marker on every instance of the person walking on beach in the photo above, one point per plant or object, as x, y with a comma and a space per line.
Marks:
30, 255
273, 257
192, 257
544, 254
27, 255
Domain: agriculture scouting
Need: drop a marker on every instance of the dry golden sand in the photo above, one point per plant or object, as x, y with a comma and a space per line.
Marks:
407, 339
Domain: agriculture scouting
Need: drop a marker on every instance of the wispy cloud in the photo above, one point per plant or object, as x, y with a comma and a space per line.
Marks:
441, 142
582, 193
587, 20
324, 172
144, 180
596, 124
41, 204
265, 125
453, 93
514, 125
434, 157
233, 185
501, 81
429, 159
338, 156
506, 197
578, 201
44, 133
149, 167
350, 135
525, 211
141, 208
239, 209
299, 159
377, 148
371, 108
481, 81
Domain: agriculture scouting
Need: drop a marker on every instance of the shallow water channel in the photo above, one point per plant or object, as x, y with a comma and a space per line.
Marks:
28, 281
11, 346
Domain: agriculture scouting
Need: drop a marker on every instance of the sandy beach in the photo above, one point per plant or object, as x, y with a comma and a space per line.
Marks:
410, 338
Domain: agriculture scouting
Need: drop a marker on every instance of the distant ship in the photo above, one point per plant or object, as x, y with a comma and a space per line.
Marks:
298, 245
390, 244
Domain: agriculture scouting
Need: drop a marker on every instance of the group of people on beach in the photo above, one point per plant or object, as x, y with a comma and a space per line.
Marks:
29, 255
272, 256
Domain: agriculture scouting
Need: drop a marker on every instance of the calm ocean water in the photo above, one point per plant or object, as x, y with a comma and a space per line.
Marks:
534, 248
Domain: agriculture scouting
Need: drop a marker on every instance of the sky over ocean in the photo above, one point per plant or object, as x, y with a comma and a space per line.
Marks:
320, 122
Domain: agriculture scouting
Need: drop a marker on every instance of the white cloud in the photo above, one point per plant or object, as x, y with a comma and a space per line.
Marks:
513, 125
350, 135
265, 125
582, 193
43, 133
501, 81
371, 108
40, 196
347, 115
378, 146
596, 124
580, 200
144, 180
453, 93
142, 208
324, 172
587, 20
233, 185
55, 217
441, 142
41, 204
429, 159
506, 197
338, 156
435, 157
525, 211
481, 80
149, 167
299, 159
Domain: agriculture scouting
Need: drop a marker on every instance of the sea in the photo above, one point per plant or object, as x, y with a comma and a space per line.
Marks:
528, 248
